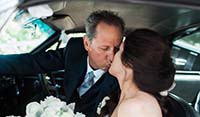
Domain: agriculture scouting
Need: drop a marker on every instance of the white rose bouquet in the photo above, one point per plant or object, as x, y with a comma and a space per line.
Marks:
51, 107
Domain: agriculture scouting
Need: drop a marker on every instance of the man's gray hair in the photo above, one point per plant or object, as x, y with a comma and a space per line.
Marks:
99, 16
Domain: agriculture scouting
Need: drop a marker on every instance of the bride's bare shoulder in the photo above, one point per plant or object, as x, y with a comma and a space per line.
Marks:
139, 106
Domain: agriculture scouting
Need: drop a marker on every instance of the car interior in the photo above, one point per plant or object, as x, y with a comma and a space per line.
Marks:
61, 20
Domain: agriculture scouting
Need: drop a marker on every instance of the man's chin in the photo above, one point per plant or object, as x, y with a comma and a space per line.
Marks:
106, 68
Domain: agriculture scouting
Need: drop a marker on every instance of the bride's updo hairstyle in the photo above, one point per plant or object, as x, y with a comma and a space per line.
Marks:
148, 53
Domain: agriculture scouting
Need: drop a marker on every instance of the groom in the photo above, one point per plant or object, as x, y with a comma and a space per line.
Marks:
91, 55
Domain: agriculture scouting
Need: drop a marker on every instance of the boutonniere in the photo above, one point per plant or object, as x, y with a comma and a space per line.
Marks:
102, 104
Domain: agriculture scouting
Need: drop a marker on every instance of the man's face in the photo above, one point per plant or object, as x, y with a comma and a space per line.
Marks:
103, 46
117, 67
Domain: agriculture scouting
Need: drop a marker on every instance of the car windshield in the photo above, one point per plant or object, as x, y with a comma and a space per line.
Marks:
22, 33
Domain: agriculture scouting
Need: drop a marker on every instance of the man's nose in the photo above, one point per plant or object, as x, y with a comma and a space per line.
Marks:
111, 54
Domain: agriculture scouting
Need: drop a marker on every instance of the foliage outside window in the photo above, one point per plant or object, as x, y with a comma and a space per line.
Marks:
23, 33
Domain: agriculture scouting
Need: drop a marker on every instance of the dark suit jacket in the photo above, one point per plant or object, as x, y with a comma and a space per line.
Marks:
73, 59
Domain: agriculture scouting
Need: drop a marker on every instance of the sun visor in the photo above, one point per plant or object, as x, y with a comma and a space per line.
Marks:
57, 6
64, 23
41, 11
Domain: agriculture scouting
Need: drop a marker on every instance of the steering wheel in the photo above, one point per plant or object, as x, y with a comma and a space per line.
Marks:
44, 84
49, 85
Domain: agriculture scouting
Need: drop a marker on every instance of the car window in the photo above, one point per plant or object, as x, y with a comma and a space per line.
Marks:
22, 33
191, 41
186, 50
64, 38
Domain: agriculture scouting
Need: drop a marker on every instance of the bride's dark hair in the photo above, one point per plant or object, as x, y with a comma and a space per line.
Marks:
148, 53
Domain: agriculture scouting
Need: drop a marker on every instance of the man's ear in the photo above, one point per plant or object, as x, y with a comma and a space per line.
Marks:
86, 43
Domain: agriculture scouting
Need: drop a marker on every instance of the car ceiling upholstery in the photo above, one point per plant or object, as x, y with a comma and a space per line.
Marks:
164, 16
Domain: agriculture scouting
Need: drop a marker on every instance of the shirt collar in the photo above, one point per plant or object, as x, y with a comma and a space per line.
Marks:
98, 73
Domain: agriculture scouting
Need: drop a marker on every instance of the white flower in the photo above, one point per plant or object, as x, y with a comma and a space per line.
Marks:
33, 109
102, 104
52, 102
51, 107
65, 114
78, 114
49, 112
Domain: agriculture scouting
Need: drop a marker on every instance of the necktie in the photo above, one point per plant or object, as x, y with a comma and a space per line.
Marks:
87, 83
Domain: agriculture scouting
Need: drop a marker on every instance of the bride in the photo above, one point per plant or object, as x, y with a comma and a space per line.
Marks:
144, 69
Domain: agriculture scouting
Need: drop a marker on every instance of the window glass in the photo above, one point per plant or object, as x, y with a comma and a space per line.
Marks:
186, 49
190, 41
22, 33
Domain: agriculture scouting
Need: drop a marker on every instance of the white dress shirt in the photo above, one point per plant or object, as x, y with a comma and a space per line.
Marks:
98, 73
